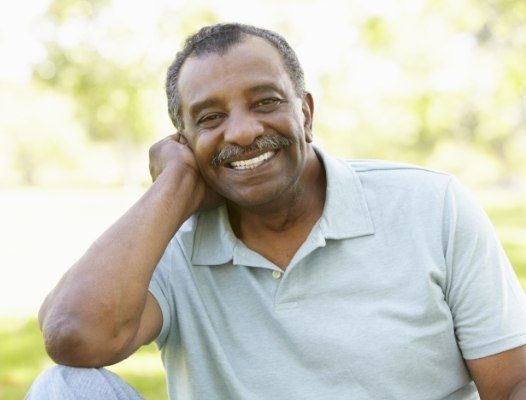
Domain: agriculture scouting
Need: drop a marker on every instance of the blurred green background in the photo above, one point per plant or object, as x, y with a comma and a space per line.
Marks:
434, 82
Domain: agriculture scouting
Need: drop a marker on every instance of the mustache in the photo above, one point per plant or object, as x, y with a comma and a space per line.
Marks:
260, 143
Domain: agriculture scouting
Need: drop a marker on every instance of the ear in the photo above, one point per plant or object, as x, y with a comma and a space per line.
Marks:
182, 137
307, 107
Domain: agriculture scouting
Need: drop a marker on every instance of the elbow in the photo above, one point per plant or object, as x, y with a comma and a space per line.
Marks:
69, 343
66, 346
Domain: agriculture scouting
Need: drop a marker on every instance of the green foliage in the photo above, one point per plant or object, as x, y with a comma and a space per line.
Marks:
422, 76
109, 93
93, 60
112, 70
510, 225
60, 11
108, 96
22, 355
376, 33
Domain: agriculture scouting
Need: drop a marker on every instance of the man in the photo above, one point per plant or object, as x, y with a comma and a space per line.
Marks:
291, 275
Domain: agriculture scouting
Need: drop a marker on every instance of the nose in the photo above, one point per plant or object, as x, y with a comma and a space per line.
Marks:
242, 128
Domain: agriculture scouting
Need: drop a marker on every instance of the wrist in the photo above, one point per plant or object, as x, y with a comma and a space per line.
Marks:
180, 189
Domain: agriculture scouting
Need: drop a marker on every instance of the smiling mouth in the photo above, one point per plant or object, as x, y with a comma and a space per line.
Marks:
252, 163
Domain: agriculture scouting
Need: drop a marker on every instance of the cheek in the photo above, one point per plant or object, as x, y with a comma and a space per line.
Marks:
205, 146
287, 124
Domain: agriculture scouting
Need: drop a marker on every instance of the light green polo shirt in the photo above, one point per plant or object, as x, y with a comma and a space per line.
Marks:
399, 281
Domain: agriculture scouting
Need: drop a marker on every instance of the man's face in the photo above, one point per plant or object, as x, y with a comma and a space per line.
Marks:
232, 102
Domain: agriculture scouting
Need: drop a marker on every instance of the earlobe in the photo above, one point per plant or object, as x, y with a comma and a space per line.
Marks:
308, 111
182, 138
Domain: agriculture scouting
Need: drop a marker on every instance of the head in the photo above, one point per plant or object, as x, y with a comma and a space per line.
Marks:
245, 114
219, 39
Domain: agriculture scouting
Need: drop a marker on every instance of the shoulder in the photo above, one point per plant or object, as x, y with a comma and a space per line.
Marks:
382, 173
388, 178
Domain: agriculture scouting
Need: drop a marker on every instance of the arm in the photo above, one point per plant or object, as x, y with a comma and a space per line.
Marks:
101, 311
487, 302
500, 376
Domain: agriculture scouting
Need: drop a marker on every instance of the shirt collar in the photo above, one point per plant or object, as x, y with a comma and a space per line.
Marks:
345, 215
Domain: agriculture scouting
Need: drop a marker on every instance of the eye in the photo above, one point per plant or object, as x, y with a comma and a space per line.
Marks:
268, 104
210, 120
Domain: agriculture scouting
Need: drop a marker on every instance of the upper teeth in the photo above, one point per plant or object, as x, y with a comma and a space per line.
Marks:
252, 162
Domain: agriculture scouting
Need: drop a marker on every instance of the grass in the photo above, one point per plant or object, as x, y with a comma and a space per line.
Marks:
510, 224
22, 358
22, 355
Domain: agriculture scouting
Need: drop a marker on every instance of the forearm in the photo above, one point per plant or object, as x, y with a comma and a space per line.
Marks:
99, 301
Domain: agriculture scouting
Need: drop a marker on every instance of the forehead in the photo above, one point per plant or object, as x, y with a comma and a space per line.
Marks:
249, 63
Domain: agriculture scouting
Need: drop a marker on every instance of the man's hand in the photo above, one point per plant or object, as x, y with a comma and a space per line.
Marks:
173, 152
101, 311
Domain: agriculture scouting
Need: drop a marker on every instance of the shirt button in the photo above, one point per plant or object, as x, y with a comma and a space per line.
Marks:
276, 274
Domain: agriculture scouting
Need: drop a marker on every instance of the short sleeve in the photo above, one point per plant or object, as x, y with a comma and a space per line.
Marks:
160, 289
487, 302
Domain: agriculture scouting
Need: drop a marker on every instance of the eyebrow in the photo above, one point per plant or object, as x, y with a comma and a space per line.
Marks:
201, 105
265, 87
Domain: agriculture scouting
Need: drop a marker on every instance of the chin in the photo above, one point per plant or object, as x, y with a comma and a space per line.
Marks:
261, 199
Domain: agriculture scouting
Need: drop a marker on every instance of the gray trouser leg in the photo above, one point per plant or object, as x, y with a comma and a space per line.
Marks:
68, 383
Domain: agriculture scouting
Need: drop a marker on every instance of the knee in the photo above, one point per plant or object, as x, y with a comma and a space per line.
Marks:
70, 383
62, 382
